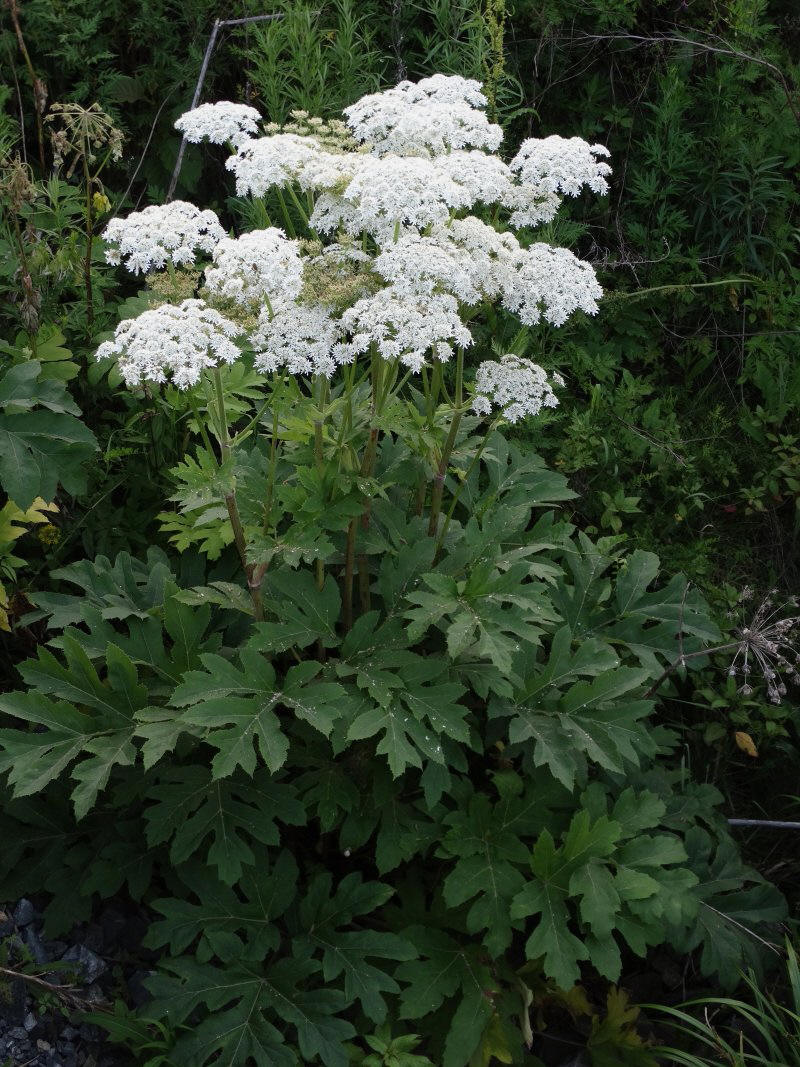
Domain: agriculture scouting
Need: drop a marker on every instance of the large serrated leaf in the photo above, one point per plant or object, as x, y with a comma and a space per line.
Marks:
304, 613
222, 819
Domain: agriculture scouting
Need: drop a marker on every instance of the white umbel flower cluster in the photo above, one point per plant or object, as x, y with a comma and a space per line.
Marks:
171, 342
493, 253
562, 165
471, 261
164, 233
403, 328
426, 118
550, 283
220, 123
516, 386
420, 265
426, 155
530, 205
259, 267
388, 194
261, 164
301, 338
485, 178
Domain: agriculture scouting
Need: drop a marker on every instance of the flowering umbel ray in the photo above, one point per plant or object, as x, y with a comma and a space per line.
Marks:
162, 234
517, 386
172, 343
219, 123
260, 267
405, 329
428, 117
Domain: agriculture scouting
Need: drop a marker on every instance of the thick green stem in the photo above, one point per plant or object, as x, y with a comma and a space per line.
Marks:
436, 385
444, 462
382, 379
363, 562
319, 390
446, 526
349, 567
347, 414
379, 396
240, 436
222, 421
302, 212
441, 475
286, 216
367, 464
263, 213
200, 424
273, 458
254, 574
319, 400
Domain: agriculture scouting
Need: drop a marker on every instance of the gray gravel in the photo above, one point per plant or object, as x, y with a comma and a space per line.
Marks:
34, 1037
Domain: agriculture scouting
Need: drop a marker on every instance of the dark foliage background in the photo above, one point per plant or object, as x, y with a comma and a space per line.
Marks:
681, 430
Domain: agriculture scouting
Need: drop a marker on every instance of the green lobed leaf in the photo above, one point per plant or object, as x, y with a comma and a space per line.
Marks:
221, 818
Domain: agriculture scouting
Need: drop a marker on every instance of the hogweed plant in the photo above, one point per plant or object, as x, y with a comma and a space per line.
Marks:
402, 787
357, 314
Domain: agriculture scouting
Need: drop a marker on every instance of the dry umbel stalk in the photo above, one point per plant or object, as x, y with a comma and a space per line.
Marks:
37, 85
85, 134
766, 645
17, 189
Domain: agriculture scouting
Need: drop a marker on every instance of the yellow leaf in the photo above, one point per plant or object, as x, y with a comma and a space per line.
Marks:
11, 516
4, 624
576, 1002
494, 1045
745, 743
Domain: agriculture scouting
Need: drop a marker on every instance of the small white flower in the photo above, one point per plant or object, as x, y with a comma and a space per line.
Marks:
428, 118
269, 161
452, 89
258, 266
299, 337
340, 255
220, 123
329, 170
334, 214
517, 386
163, 233
562, 165
404, 329
172, 342
550, 283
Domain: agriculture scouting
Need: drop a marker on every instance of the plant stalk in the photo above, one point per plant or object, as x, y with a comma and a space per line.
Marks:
87, 263
447, 451
475, 459
37, 85
253, 573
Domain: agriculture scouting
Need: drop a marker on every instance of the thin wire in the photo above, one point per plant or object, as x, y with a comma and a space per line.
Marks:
776, 824
144, 152
219, 24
